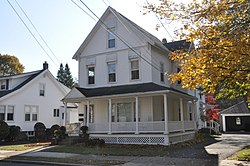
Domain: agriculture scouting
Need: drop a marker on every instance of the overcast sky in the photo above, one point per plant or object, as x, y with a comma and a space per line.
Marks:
63, 26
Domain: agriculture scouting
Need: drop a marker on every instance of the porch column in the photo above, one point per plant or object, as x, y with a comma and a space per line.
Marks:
223, 123
136, 115
110, 117
194, 114
165, 100
65, 114
88, 113
181, 109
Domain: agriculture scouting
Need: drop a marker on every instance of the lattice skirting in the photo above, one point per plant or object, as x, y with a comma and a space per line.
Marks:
130, 139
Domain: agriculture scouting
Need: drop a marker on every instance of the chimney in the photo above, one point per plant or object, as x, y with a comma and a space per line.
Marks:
45, 65
164, 41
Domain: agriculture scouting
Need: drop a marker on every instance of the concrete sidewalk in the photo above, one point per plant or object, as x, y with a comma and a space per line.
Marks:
211, 154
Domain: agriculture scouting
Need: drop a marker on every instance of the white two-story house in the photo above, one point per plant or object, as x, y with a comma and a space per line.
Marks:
32, 97
124, 95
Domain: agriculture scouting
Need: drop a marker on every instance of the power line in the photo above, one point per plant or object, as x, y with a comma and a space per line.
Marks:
161, 23
82, 9
127, 44
37, 31
31, 32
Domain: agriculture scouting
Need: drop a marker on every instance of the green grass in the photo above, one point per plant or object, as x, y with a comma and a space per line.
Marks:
21, 147
118, 150
242, 155
215, 136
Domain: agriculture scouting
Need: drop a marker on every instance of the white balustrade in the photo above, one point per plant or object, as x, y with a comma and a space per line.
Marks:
174, 126
98, 127
188, 125
152, 126
123, 127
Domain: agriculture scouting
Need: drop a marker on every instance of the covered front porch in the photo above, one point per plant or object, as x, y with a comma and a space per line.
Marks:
166, 116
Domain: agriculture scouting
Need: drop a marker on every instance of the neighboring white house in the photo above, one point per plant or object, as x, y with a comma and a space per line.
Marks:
32, 97
123, 94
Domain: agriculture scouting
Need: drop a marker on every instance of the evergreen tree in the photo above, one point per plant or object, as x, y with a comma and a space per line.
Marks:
64, 76
69, 82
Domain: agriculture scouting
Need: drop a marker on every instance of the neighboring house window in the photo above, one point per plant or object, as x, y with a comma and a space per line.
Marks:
134, 68
111, 37
179, 81
2, 112
112, 72
190, 111
3, 85
238, 121
162, 72
31, 113
56, 113
91, 75
42, 89
10, 113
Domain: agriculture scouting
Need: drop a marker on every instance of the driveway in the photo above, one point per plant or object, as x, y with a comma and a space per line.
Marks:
211, 153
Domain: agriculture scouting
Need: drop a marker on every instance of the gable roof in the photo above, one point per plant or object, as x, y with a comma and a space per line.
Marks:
124, 20
31, 76
178, 45
240, 108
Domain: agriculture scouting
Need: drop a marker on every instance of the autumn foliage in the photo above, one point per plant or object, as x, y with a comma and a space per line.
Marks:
212, 111
10, 65
220, 64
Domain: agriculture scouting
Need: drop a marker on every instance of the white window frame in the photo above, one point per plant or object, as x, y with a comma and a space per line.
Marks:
31, 113
162, 79
88, 74
131, 70
112, 63
9, 112
42, 88
111, 36
56, 112
4, 112
190, 111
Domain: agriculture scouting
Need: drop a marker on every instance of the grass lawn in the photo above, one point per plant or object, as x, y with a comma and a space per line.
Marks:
242, 155
22, 147
118, 150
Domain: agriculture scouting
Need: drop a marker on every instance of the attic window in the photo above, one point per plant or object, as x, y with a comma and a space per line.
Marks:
42, 89
111, 37
3, 85
179, 81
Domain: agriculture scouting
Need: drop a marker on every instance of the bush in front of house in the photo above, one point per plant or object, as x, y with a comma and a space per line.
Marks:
4, 130
63, 131
96, 142
14, 133
40, 131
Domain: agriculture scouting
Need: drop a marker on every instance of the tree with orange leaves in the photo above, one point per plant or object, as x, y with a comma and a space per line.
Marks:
220, 64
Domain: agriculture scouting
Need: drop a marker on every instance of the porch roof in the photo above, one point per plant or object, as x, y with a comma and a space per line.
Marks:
78, 93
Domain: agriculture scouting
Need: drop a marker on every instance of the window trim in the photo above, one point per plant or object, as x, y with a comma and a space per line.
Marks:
130, 69
110, 34
110, 63
42, 88
30, 113
88, 75
56, 113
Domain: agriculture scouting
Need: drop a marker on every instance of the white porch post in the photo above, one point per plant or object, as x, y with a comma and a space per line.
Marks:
65, 113
136, 115
110, 117
194, 116
181, 109
165, 113
88, 113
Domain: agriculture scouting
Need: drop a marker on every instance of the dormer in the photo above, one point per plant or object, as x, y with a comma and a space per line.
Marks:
4, 84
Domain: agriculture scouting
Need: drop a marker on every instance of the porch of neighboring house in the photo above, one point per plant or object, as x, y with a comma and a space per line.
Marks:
155, 118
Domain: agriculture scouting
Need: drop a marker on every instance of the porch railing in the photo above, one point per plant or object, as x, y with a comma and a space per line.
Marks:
143, 127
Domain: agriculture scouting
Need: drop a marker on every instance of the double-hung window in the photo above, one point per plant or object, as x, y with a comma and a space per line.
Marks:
10, 113
162, 72
2, 112
112, 72
42, 89
111, 37
56, 113
134, 68
3, 85
91, 74
31, 113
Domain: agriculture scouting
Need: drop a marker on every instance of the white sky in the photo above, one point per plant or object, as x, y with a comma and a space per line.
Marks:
63, 26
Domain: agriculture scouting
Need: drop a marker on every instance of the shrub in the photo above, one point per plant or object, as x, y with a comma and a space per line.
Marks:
63, 131
22, 136
84, 129
96, 142
14, 132
40, 131
4, 130
54, 128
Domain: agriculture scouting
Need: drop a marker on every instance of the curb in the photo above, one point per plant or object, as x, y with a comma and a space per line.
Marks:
41, 162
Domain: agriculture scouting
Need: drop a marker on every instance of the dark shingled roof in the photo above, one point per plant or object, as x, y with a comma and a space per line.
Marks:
240, 108
6, 92
123, 89
178, 45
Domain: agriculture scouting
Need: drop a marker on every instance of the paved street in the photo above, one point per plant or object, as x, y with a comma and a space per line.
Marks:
211, 153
